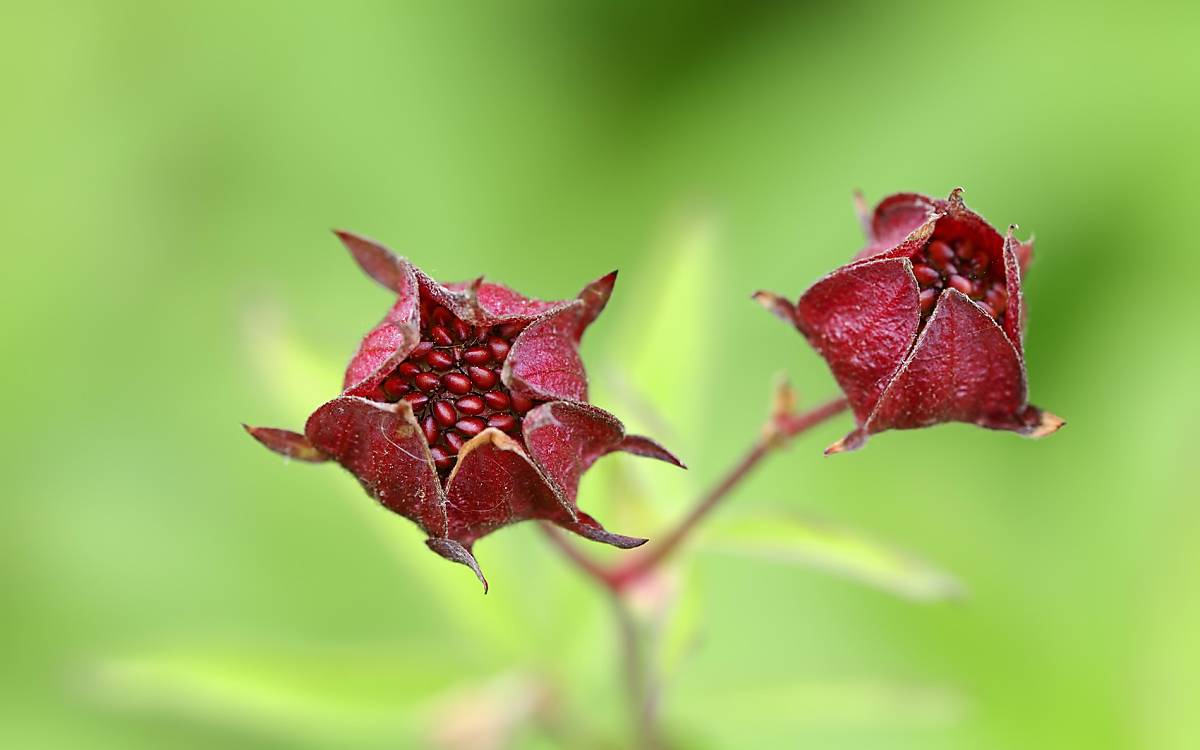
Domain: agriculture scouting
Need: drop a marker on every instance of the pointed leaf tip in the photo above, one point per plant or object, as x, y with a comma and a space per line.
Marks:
1047, 425
594, 297
781, 307
455, 552
286, 443
851, 442
378, 262
640, 445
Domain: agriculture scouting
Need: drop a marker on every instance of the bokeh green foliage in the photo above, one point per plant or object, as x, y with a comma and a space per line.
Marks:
170, 173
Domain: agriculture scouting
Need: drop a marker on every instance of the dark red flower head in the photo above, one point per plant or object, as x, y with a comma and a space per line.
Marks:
925, 325
466, 408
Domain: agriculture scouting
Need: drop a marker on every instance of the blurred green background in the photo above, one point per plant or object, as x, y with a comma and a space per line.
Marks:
170, 175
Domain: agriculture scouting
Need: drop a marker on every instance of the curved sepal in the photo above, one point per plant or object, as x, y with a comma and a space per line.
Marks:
640, 445
455, 552
594, 297
377, 261
589, 528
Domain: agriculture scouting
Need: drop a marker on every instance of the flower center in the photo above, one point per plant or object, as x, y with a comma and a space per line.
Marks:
958, 264
452, 381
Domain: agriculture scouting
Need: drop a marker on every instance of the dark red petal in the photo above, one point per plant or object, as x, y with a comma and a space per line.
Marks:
897, 216
501, 302
594, 297
906, 247
566, 438
460, 298
286, 443
379, 263
544, 361
382, 445
381, 350
958, 222
455, 552
962, 369
388, 343
862, 319
1014, 319
494, 484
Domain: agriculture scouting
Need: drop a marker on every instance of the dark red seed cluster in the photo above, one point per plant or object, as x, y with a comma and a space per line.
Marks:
452, 381
958, 264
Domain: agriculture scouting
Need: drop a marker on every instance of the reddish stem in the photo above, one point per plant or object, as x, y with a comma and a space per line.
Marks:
778, 433
780, 430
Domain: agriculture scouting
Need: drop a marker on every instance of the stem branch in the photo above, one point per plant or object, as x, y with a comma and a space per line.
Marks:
778, 433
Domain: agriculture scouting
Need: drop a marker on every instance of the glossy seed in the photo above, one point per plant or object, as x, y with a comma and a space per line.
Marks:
408, 369
457, 383
482, 377
498, 347
441, 459
477, 355
394, 388
416, 399
430, 428
965, 250
461, 329
441, 315
981, 263
987, 309
521, 404
926, 276
441, 334
940, 253
454, 440
440, 359
505, 422
928, 297
421, 349
497, 400
961, 283
471, 426
444, 413
426, 381
470, 404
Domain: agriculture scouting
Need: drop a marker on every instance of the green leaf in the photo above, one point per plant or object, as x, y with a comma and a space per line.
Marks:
837, 550
315, 695
840, 703
661, 324
669, 318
